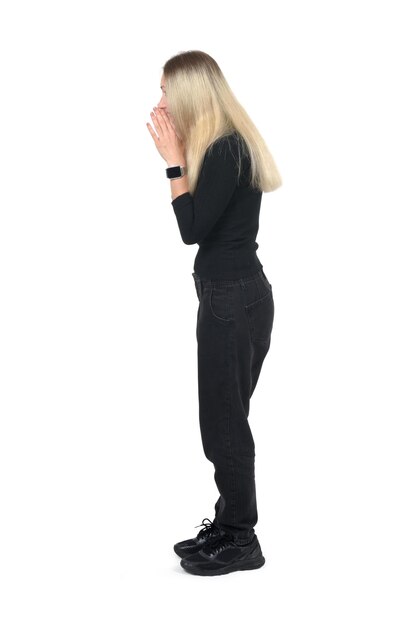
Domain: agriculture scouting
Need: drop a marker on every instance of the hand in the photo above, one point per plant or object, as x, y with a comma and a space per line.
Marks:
168, 144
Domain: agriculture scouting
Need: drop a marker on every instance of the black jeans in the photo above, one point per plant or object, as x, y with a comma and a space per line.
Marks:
234, 325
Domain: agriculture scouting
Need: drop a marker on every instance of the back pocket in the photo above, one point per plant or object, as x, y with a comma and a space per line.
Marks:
260, 315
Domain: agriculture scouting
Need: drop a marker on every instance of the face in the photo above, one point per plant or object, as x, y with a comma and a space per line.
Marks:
163, 103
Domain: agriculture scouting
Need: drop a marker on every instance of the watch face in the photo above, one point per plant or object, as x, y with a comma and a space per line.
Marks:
174, 172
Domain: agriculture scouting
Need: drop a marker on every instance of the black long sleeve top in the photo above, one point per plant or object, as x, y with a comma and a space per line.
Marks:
222, 216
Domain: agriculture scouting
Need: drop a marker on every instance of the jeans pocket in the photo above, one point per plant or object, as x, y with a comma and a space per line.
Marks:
260, 315
220, 303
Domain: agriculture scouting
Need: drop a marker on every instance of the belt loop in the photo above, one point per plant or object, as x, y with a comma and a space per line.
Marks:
242, 283
197, 282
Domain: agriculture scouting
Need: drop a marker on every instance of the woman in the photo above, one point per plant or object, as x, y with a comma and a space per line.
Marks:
218, 166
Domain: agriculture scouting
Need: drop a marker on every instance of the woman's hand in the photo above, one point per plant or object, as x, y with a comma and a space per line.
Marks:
168, 144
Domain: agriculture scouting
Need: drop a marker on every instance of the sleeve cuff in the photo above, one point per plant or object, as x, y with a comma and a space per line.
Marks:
181, 200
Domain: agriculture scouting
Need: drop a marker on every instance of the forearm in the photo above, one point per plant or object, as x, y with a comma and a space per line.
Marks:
197, 213
179, 186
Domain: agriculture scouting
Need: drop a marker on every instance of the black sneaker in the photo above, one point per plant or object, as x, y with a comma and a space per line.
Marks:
190, 546
222, 555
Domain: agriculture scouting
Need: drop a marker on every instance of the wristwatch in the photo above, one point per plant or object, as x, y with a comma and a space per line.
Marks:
177, 171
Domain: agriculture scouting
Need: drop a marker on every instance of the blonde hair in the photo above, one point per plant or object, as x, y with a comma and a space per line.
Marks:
204, 109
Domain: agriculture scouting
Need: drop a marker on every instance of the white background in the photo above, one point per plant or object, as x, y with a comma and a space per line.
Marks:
101, 464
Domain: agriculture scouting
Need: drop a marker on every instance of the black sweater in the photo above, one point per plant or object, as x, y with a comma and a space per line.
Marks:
222, 216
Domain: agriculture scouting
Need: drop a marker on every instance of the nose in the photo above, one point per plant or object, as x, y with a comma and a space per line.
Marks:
162, 104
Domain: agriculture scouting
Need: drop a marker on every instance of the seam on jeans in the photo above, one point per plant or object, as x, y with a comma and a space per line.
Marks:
229, 398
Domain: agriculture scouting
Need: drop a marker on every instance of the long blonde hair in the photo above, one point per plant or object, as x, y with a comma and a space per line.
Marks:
204, 109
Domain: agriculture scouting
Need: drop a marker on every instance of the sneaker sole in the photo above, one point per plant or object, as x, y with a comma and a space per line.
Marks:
233, 567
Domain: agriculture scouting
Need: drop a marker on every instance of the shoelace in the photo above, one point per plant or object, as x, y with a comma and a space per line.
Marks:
217, 544
209, 529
